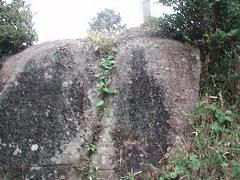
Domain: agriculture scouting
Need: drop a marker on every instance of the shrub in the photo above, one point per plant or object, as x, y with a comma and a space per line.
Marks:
214, 27
215, 150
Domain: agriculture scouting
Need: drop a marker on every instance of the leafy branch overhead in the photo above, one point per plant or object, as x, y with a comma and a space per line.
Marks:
16, 27
214, 27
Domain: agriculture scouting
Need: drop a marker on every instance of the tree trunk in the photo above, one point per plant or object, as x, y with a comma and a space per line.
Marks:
146, 9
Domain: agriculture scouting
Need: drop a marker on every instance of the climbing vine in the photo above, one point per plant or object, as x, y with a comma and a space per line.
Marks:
104, 89
104, 46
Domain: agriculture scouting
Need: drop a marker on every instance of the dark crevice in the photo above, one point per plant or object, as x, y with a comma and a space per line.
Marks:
35, 110
142, 132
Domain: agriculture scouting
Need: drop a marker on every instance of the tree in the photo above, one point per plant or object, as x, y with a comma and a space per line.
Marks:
214, 27
107, 21
16, 27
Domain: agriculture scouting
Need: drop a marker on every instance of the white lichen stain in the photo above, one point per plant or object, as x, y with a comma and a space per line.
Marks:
17, 151
34, 147
48, 76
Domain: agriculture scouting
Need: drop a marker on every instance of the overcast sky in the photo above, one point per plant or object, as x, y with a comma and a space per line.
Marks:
64, 19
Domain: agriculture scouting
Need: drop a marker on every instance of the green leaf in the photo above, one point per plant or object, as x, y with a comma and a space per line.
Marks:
216, 127
195, 162
173, 175
236, 170
100, 104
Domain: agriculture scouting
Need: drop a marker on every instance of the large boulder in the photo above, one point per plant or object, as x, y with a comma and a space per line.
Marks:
48, 115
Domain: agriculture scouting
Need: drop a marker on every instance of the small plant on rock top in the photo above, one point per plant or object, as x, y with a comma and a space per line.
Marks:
129, 176
101, 42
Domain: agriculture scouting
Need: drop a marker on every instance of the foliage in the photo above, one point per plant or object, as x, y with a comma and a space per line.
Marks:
89, 171
130, 176
215, 150
101, 42
16, 27
104, 45
104, 89
214, 27
153, 26
91, 147
107, 21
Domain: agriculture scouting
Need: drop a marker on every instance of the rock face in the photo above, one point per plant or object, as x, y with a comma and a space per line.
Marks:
48, 117
157, 81
45, 105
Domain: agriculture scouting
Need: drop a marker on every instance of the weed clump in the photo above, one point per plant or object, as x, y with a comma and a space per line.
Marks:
215, 148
